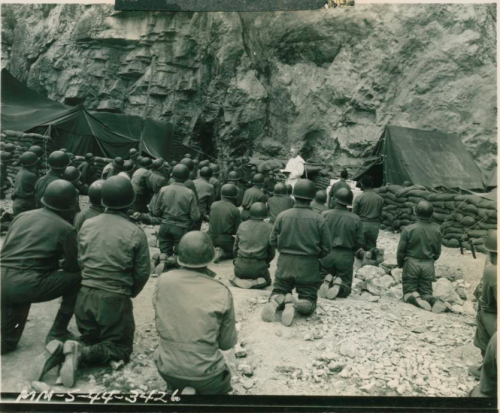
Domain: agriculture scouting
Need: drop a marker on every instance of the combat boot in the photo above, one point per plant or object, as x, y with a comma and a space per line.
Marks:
269, 310
50, 358
59, 330
334, 291
379, 257
325, 286
248, 284
305, 307
414, 299
73, 357
160, 268
289, 311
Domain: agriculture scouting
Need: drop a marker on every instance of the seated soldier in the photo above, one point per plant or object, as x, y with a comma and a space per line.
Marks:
279, 202
318, 204
195, 319
253, 250
224, 221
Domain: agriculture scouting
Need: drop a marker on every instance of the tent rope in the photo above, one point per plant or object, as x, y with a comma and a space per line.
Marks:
453, 212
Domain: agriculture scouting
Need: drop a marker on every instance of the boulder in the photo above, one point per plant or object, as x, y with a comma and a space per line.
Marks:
374, 287
444, 290
397, 274
451, 274
387, 282
397, 291
457, 309
468, 308
369, 272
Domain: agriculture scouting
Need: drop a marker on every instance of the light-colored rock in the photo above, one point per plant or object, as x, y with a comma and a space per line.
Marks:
335, 366
457, 309
239, 351
444, 290
246, 369
40, 386
445, 271
397, 274
350, 350
369, 272
469, 309
387, 282
247, 383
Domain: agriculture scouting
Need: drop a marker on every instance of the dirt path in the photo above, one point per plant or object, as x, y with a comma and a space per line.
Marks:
349, 347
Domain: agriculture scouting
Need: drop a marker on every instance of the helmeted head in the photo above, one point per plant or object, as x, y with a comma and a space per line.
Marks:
89, 157
259, 211
95, 192
180, 172
491, 241
320, 197
304, 189
139, 159
289, 189
118, 163
157, 164
229, 191
6, 157
60, 195
280, 189
206, 172
344, 197
196, 250
37, 150
71, 174
188, 162
173, 163
146, 163
258, 179
117, 193
215, 169
234, 176
407, 184
9, 147
28, 159
58, 161
424, 209
188, 155
133, 153
196, 163
128, 166
64, 150
344, 174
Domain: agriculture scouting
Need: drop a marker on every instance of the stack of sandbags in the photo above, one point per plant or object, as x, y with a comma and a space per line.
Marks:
23, 141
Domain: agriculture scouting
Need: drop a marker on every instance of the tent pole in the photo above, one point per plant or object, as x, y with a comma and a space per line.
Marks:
145, 114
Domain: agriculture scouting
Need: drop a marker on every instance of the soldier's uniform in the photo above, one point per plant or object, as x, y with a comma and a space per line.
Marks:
109, 171
419, 247
334, 189
91, 212
188, 184
195, 319
114, 255
155, 182
269, 183
224, 222
217, 187
253, 251
42, 184
206, 197
319, 208
277, 204
302, 238
488, 386
369, 206
35, 243
251, 195
347, 238
142, 193
178, 209
24, 191
487, 310
87, 172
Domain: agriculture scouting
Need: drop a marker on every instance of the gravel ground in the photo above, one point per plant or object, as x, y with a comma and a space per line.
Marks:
349, 347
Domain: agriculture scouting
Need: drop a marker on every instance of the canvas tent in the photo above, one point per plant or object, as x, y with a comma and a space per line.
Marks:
78, 130
492, 179
429, 158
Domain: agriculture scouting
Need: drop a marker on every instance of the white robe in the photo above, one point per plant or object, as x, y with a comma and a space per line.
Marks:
296, 168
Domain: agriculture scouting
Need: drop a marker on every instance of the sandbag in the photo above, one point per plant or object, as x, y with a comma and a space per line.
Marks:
452, 235
441, 197
389, 208
491, 220
406, 217
484, 225
405, 222
438, 217
477, 241
486, 213
387, 216
474, 200
388, 201
480, 248
469, 208
415, 199
382, 190
419, 194
438, 204
449, 205
394, 188
396, 224
387, 223
468, 221
408, 205
478, 233
462, 198
448, 224
441, 211
457, 216
451, 243
487, 204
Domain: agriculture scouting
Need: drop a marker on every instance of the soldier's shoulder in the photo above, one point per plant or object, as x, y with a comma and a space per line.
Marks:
491, 273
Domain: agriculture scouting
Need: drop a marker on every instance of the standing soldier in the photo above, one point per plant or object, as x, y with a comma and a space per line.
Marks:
58, 161
139, 183
269, 183
318, 204
95, 208
195, 319
113, 168
206, 194
419, 247
295, 167
178, 209
347, 238
253, 250
224, 222
40, 153
252, 195
30, 267
488, 308
279, 202
188, 183
302, 238
336, 186
24, 186
156, 180
214, 180
369, 206
114, 255
235, 179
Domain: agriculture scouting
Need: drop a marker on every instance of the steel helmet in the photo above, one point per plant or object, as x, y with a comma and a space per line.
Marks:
187, 155
259, 210
188, 162
206, 172
174, 163
157, 164
289, 188
424, 209
6, 156
37, 150
229, 191
89, 157
95, 192
133, 153
58, 160
196, 162
60, 195
128, 166
279, 189
118, 162
117, 193
215, 168
71, 174
344, 196
63, 150
196, 250
491, 241
180, 172
204, 163
234, 176
9, 147
304, 189
192, 175
71, 156
28, 159
320, 197
146, 162
258, 179
139, 159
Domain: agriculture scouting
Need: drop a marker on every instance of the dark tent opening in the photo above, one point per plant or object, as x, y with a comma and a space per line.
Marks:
203, 137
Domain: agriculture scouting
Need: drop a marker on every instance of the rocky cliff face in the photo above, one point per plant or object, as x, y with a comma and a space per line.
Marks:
256, 83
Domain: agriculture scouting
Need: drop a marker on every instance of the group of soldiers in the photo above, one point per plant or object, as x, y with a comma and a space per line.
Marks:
98, 259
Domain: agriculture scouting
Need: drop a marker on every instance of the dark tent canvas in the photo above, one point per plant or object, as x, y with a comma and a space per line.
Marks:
429, 158
78, 130
492, 180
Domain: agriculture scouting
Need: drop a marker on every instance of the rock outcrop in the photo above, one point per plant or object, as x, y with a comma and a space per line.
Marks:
255, 83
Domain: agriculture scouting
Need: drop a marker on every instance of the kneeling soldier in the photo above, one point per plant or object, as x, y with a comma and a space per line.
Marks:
302, 238
195, 319
419, 247
347, 238
24, 185
252, 195
279, 202
318, 204
253, 250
